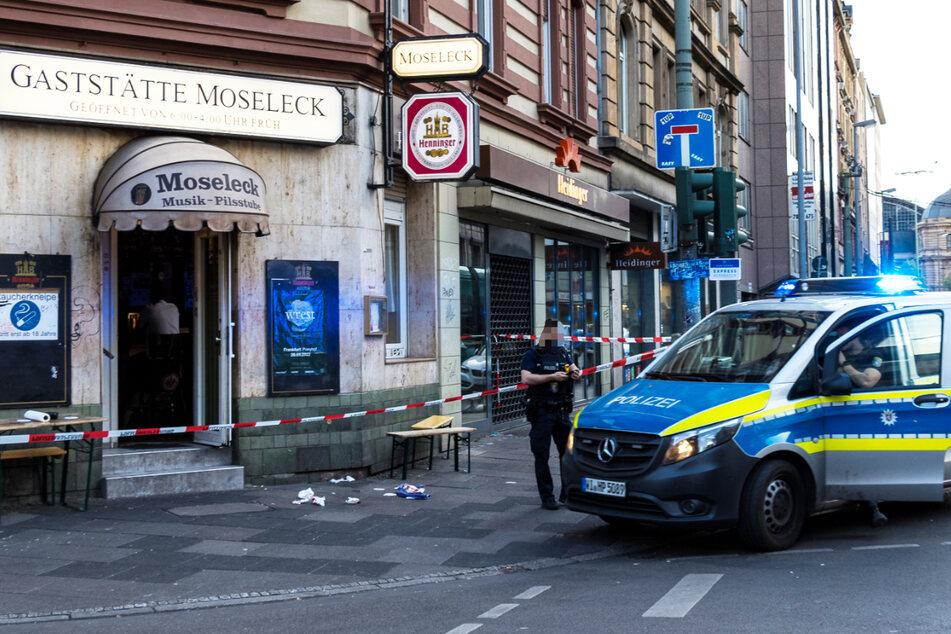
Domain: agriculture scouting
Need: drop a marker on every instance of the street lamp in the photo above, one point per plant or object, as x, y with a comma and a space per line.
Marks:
856, 173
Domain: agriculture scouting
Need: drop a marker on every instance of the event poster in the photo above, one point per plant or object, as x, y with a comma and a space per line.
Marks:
35, 331
304, 332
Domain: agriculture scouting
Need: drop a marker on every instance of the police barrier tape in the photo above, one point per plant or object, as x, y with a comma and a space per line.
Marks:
598, 339
329, 418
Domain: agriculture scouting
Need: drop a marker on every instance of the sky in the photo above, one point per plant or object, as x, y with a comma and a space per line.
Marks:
905, 51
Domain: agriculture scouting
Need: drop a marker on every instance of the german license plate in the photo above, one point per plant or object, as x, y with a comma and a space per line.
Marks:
604, 487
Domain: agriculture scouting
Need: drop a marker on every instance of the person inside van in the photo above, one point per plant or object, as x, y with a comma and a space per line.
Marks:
862, 362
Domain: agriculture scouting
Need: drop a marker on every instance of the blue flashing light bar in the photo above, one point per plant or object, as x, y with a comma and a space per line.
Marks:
884, 286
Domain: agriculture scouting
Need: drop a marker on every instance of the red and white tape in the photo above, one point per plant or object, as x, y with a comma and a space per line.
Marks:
329, 418
598, 339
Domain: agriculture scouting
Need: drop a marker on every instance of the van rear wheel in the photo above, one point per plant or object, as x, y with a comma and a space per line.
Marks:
773, 507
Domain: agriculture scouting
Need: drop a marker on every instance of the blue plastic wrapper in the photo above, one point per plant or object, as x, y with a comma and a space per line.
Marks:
411, 492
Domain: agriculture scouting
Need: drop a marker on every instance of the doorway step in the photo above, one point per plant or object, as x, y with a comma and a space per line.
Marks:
131, 471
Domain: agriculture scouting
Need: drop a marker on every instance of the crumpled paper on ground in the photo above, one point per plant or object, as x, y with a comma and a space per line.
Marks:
411, 492
307, 495
348, 478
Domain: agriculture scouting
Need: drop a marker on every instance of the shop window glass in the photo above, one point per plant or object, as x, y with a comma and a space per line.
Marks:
474, 354
395, 277
571, 297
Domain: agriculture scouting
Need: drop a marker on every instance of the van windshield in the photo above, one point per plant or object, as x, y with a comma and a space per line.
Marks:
738, 347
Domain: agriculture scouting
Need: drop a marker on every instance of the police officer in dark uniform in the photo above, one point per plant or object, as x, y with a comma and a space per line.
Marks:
861, 361
550, 374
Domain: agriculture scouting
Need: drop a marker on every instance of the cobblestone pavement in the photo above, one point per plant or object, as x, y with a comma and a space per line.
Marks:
255, 545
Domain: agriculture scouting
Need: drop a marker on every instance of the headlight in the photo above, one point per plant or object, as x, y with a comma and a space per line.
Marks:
571, 440
690, 443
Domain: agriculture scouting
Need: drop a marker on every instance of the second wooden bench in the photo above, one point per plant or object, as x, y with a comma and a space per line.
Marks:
407, 440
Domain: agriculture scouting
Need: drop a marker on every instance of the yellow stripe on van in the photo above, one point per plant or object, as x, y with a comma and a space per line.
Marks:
576, 417
875, 444
726, 411
824, 400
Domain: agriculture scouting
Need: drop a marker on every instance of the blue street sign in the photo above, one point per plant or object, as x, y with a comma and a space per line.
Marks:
688, 269
685, 138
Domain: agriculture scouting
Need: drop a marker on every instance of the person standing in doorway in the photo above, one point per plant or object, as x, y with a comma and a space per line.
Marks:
550, 374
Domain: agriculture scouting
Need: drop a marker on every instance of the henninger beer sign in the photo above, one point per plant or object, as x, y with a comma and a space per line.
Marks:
440, 136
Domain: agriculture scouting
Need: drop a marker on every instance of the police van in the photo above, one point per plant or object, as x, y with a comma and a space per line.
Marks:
836, 390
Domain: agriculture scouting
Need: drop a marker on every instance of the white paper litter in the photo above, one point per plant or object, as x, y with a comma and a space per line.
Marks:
352, 500
389, 495
343, 479
307, 495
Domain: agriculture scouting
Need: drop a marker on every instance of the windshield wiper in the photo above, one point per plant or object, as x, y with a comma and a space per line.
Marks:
675, 376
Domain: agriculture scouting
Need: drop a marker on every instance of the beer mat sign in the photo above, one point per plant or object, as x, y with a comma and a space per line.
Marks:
440, 135
636, 256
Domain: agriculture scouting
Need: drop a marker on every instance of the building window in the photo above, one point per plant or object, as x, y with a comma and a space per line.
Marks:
485, 24
547, 69
793, 145
743, 116
947, 241
394, 257
400, 9
741, 12
627, 80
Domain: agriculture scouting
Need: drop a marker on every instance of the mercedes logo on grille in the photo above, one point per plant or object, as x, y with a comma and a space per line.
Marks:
607, 449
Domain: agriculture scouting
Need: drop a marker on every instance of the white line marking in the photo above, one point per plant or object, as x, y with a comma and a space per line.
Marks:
465, 628
682, 597
801, 551
885, 547
532, 592
497, 611
946, 543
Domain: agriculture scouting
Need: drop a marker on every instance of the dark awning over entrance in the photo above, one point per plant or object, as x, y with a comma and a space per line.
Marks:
154, 181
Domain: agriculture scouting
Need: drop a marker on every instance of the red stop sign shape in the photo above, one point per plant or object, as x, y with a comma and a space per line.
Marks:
440, 136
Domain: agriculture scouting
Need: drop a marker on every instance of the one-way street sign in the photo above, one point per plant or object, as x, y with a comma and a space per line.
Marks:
685, 138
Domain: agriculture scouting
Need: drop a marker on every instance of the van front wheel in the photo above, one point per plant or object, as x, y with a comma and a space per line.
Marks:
773, 507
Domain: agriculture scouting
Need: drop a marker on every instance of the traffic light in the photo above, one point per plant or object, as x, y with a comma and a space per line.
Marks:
693, 205
727, 235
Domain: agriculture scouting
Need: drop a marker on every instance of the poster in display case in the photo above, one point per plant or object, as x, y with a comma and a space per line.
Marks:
303, 327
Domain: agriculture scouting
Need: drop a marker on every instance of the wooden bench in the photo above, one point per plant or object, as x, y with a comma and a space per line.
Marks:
434, 422
47, 454
407, 440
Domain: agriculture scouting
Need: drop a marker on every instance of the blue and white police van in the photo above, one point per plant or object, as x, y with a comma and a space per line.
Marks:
752, 419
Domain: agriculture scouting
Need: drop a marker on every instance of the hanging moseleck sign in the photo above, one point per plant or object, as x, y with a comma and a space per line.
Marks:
440, 136
440, 57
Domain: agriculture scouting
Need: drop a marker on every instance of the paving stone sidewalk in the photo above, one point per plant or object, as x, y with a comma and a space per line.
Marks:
173, 552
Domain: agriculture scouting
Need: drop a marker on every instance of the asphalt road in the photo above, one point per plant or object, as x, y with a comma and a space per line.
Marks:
843, 576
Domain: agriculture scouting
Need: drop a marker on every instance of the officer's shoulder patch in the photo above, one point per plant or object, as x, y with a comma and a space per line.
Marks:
876, 362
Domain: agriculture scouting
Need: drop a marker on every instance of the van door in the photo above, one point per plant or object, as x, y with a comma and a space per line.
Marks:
889, 441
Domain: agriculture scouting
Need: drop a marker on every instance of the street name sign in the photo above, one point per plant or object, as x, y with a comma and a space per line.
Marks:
685, 138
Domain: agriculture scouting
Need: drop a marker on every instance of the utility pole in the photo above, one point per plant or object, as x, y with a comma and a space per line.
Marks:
684, 79
801, 198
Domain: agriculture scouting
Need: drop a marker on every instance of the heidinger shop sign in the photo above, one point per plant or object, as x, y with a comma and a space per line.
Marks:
62, 88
